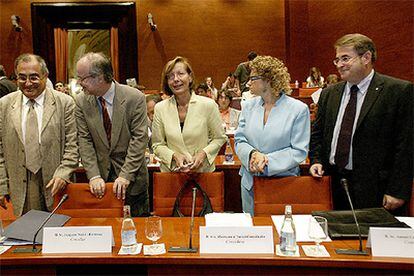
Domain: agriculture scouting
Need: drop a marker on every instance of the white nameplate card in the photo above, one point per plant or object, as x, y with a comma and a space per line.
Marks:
391, 242
82, 239
243, 240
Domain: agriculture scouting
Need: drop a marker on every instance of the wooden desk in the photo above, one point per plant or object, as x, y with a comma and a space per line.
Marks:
176, 234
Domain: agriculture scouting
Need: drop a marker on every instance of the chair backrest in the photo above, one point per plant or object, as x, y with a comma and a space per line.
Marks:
304, 193
7, 214
83, 204
307, 92
166, 186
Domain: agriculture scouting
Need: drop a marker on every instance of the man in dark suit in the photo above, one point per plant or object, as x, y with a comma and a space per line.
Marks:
6, 85
113, 134
364, 131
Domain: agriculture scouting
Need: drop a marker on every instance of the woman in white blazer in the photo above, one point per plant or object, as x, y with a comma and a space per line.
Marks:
274, 129
186, 131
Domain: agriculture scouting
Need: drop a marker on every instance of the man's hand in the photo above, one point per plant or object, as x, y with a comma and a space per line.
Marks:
316, 170
120, 187
392, 203
97, 187
3, 200
57, 184
198, 159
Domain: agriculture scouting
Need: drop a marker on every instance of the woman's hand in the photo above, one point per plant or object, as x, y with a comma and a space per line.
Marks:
258, 161
198, 160
182, 162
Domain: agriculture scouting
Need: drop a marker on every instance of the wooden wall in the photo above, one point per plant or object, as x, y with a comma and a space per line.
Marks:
217, 34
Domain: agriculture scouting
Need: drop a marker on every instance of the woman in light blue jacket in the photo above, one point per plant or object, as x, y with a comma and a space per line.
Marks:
273, 135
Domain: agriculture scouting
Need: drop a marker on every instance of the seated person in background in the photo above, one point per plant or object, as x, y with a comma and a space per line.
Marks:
315, 78
229, 116
203, 90
60, 86
163, 95
230, 85
186, 132
151, 100
331, 79
274, 130
6, 85
213, 89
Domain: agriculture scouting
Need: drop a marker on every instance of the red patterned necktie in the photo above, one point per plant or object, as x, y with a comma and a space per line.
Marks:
106, 119
345, 134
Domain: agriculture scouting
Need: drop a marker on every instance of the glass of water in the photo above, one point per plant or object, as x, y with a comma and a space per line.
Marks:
153, 228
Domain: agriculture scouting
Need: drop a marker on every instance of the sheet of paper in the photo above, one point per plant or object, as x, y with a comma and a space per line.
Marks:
407, 220
228, 219
4, 248
154, 249
279, 253
301, 226
314, 251
130, 251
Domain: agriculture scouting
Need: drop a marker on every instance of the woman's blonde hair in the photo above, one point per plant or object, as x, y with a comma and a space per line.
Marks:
167, 70
275, 71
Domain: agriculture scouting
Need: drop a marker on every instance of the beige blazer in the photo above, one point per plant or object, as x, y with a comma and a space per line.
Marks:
202, 131
59, 147
129, 137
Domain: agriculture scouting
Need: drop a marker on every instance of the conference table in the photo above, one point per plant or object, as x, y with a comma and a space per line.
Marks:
176, 233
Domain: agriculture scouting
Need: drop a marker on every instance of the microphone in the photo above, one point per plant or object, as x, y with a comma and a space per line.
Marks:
63, 199
344, 183
190, 248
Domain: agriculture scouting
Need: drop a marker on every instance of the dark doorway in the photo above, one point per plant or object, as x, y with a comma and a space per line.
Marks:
47, 16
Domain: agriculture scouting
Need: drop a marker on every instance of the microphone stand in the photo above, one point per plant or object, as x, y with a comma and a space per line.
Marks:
190, 248
34, 249
352, 251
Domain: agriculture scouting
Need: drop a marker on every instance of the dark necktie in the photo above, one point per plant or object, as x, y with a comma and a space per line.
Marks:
106, 120
32, 146
345, 134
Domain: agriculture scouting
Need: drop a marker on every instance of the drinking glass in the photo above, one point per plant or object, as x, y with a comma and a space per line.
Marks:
318, 230
153, 228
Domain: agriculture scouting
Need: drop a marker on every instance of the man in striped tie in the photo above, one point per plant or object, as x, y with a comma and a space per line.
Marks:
112, 126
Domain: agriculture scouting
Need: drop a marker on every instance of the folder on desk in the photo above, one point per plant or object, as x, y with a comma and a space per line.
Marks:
341, 224
25, 227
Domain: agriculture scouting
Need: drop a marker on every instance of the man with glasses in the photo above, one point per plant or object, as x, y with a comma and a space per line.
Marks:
363, 131
38, 139
113, 133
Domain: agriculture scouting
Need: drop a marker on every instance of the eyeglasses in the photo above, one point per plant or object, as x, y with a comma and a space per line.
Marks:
253, 78
343, 60
180, 75
82, 79
33, 78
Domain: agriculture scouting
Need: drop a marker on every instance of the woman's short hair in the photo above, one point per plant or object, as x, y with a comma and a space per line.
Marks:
167, 70
275, 71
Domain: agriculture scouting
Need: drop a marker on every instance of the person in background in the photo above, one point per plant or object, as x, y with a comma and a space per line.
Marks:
6, 85
363, 131
186, 132
315, 78
60, 86
242, 74
330, 80
213, 89
38, 139
113, 133
151, 100
230, 85
203, 90
274, 129
229, 116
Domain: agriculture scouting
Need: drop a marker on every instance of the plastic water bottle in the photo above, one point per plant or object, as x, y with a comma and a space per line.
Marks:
296, 84
128, 231
288, 233
228, 153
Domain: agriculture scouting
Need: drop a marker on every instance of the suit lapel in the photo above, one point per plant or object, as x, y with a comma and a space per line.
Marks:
49, 107
118, 114
16, 115
373, 92
96, 119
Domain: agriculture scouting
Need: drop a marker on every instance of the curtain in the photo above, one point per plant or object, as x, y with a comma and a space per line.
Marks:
114, 52
61, 54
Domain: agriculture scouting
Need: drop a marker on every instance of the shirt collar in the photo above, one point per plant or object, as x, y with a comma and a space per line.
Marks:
110, 94
39, 100
363, 84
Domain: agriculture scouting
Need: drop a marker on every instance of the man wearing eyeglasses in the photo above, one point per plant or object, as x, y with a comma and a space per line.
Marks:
38, 139
363, 131
113, 133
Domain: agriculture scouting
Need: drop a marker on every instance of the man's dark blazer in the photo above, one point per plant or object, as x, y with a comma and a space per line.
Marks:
382, 146
6, 87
